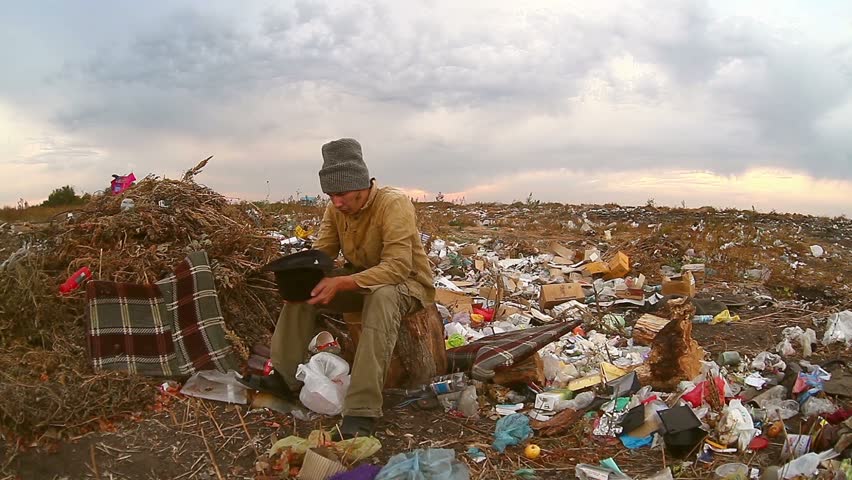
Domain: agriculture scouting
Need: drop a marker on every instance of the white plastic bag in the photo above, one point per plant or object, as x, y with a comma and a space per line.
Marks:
326, 379
839, 329
737, 425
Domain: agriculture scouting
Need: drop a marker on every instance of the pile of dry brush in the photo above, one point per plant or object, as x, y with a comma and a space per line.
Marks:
46, 382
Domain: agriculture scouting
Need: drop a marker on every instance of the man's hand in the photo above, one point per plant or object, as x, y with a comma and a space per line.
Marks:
328, 287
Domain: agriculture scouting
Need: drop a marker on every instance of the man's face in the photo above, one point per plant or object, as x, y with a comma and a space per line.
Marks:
351, 202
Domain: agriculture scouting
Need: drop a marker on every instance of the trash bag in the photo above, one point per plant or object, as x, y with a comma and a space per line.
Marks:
768, 361
326, 379
736, 425
425, 464
580, 402
511, 430
839, 329
818, 406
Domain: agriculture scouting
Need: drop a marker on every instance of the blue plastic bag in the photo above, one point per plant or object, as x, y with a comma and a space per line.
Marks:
428, 464
511, 430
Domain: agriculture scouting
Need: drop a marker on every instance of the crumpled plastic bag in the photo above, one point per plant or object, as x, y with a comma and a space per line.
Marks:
818, 406
702, 392
839, 329
425, 464
768, 361
511, 430
805, 339
737, 425
724, 317
356, 449
326, 379
455, 340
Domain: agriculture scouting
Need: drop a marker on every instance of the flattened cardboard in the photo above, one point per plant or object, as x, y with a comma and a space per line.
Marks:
490, 293
561, 251
584, 382
552, 295
558, 260
454, 301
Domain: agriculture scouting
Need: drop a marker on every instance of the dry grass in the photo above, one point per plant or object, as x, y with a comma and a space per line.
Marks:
32, 214
46, 379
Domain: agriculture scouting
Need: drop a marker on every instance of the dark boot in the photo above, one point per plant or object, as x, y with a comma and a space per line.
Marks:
352, 427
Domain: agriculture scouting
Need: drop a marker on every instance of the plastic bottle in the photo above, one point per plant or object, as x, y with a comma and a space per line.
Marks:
702, 319
74, 281
452, 383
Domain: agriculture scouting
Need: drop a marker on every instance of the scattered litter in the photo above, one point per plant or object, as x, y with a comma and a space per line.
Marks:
511, 430
425, 464
215, 385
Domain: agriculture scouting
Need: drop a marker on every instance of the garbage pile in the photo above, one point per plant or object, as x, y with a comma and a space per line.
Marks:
624, 372
647, 382
135, 236
614, 336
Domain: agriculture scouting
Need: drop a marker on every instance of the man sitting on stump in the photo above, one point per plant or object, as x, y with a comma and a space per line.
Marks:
386, 277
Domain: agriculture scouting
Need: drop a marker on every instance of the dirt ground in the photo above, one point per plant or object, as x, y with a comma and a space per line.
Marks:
188, 438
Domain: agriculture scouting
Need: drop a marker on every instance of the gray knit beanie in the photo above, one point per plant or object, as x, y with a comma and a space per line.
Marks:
343, 167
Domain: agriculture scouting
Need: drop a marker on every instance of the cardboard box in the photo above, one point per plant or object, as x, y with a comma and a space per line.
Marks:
454, 301
552, 295
595, 268
619, 266
697, 270
479, 265
680, 285
592, 255
547, 401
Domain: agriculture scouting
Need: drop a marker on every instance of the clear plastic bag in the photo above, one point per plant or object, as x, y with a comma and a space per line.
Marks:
428, 464
326, 379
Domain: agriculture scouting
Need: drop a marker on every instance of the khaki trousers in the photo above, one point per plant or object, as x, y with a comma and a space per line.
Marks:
381, 312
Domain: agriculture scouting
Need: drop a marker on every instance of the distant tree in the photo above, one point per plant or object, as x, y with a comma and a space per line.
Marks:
62, 196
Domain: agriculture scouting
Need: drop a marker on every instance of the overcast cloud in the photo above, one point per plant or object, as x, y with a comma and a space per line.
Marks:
489, 100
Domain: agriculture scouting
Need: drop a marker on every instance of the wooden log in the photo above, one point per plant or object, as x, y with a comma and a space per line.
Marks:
420, 353
559, 424
529, 370
675, 355
647, 327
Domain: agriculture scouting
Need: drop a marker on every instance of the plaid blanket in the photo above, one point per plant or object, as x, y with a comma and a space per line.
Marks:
171, 328
484, 356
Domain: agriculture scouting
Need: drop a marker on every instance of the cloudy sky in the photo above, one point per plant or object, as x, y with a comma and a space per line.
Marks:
725, 103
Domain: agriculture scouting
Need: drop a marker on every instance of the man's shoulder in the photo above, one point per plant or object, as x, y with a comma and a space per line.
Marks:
390, 195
